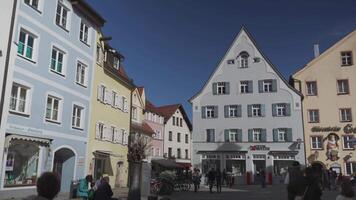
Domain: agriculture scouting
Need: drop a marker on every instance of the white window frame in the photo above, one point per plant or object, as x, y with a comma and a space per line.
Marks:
53, 99
244, 87
344, 115
65, 25
282, 134
267, 85
101, 93
232, 135
310, 89
84, 32
281, 110
113, 133
75, 116
244, 60
312, 117
343, 86
346, 58
17, 99
82, 79
26, 45
316, 140
233, 111
221, 88
116, 62
134, 113
101, 129
256, 135
209, 132
345, 144
56, 61
256, 110
210, 112
31, 2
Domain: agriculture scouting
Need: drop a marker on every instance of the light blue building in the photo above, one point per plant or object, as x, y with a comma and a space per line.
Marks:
46, 111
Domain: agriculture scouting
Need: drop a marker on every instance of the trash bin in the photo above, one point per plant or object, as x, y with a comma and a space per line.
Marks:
73, 189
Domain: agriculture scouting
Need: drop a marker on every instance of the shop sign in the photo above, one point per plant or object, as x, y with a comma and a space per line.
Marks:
259, 148
349, 129
325, 129
25, 129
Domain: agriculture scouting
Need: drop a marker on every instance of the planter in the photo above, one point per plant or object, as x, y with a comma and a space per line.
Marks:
135, 181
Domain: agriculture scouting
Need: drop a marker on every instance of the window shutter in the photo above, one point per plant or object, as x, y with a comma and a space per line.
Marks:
239, 111
227, 87
275, 135
226, 111
203, 112
263, 135
109, 97
274, 110
117, 99
260, 86
208, 139
105, 133
99, 93
250, 86
274, 85
106, 96
119, 137
121, 102
288, 109
226, 133
263, 110
316, 88
250, 137
249, 110
239, 135
216, 112
236, 135
125, 105
289, 135
215, 88
116, 136
97, 134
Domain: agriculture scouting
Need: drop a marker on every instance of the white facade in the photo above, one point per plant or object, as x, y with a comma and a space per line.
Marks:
247, 118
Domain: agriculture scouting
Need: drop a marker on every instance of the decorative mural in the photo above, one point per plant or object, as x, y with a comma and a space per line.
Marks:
332, 147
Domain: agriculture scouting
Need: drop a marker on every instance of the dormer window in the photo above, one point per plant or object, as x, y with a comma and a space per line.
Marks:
244, 59
116, 63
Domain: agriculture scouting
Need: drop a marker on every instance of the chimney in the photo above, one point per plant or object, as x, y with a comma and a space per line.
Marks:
316, 50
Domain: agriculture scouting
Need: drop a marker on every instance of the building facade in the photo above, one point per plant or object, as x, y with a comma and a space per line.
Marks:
328, 85
110, 125
48, 91
247, 118
177, 134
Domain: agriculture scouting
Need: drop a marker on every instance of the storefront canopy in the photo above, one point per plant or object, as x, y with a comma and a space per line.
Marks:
37, 140
167, 163
283, 152
107, 153
217, 152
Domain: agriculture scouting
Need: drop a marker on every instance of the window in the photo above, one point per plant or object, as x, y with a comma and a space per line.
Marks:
116, 62
243, 59
210, 135
57, 60
32, 3
186, 154
177, 121
178, 153
343, 86
84, 33
210, 112
350, 168
114, 99
52, 109
134, 113
169, 152
312, 89
178, 137
267, 86
186, 138
346, 58
102, 93
313, 116
100, 131
170, 136
19, 98
174, 121
77, 116
282, 135
245, 87
255, 110
346, 144
221, 88
80, 76
181, 122
316, 142
231, 135
61, 16
256, 135
345, 115
230, 62
26, 44
112, 133
99, 54
232, 111
281, 110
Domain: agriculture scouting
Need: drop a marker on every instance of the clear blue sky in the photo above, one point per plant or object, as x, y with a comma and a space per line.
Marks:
172, 46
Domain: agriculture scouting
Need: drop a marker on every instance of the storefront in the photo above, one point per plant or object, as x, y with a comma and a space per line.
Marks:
25, 158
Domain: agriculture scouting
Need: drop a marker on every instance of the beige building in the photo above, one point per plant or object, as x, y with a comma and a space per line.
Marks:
110, 118
328, 84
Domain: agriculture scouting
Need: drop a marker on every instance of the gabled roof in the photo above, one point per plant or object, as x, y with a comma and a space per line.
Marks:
89, 12
168, 110
140, 90
152, 108
330, 49
244, 29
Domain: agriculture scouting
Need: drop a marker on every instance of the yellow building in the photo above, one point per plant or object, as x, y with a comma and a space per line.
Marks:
328, 84
110, 116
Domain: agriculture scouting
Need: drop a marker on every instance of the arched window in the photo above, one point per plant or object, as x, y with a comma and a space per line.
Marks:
243, 59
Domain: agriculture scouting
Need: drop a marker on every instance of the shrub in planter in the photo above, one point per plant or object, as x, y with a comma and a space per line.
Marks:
167, 180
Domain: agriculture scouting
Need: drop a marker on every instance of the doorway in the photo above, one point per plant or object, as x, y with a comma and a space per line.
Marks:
64, 165
258, 166
118, 179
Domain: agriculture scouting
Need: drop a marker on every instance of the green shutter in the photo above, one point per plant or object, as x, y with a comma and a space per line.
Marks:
216, 112
274, 110
250, 136
226, 111
263, 110
239, 111
263, 135
288, 109
260, 86
274, 85
226, 133
203, 113
250, 86
227, 87
215, 88
275, 135
249, 110
239, 135
289, 135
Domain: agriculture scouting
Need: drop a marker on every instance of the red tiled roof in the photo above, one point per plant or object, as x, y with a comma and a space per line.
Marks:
140, 90
143, 128
122, 72
168, 110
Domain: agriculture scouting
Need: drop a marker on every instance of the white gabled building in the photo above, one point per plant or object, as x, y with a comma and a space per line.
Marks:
247, 118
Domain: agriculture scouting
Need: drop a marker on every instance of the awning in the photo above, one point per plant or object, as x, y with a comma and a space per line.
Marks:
107, 153
166, 163
283, 152
37, 140
185, 165
217, 152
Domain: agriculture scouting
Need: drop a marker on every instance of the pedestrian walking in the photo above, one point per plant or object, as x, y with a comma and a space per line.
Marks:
218, 181
211, 179
347, 192
83, 188
104, 191
48, 186
224, 178
313, 188
196, 179
295, 181
263, 178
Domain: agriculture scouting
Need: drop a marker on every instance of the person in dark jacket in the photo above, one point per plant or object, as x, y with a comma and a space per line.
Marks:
211, 179
263, 178
218, 178
48, 186
295, 182
313, 187
104, 191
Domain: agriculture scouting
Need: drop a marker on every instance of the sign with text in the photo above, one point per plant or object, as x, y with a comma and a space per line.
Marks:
259, 148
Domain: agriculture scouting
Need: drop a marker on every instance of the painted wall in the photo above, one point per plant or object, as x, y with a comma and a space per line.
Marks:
326, 70
157, 126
